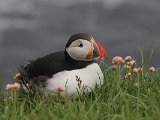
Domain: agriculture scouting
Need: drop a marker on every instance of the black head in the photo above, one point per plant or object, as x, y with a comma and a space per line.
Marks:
78, 36
83, 47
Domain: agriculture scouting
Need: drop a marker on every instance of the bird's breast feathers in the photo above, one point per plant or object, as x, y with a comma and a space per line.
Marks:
70, 82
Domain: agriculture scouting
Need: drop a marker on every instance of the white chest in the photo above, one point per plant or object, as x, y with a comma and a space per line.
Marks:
70, 82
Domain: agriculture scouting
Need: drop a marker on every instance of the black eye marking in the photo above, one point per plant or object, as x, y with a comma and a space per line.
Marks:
81, 45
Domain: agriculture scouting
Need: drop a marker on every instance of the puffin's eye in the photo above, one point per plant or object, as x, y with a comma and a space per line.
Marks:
81, 45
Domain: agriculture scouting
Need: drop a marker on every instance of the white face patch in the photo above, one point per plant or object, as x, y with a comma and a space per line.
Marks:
78, 50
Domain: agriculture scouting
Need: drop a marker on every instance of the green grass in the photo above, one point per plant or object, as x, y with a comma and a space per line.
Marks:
117, 99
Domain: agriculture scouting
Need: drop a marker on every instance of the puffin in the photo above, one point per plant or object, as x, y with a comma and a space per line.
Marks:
67, 72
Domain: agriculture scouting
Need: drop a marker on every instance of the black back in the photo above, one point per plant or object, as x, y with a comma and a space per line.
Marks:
53, 63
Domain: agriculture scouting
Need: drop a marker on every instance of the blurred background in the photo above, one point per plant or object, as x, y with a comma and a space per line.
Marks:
34, 28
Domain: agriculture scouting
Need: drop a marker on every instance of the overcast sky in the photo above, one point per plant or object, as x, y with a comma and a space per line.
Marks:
33, 28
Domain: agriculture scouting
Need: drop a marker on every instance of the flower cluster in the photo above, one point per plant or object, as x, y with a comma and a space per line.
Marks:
128, 58
137, 70
118, 60
129, 65
152, 69
13, 87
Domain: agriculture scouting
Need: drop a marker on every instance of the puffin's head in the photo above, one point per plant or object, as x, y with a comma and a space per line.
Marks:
83, 47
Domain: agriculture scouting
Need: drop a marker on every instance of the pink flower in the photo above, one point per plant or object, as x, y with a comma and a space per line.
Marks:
118, 60
128, 58
131, 63
60, 90
17, 76
13, 87
128, 75
137, 70
152, 69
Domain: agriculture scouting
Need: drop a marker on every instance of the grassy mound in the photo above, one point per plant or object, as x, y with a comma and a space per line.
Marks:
123, 96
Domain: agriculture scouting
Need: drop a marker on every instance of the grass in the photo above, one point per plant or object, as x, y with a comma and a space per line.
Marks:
135, 98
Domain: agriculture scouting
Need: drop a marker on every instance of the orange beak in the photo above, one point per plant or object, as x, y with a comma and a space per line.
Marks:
103, 53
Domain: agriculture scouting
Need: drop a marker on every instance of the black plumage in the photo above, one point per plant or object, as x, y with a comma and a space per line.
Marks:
39, 70
78, 36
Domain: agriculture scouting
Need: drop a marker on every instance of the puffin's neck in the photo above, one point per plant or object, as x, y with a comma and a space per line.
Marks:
77, 64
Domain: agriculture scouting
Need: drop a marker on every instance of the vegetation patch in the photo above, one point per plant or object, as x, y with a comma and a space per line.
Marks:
129, 92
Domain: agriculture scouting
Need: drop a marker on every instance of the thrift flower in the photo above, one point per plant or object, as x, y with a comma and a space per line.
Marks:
13, 87
128, 58
128, 75
18, 76
118, 60
152, 69
137, 70
60, 90
131, 63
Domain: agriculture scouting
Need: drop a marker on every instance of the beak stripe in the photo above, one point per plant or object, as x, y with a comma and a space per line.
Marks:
103, 53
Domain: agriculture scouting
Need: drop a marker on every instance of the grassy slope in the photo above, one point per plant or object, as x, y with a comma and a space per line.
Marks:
117, 99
